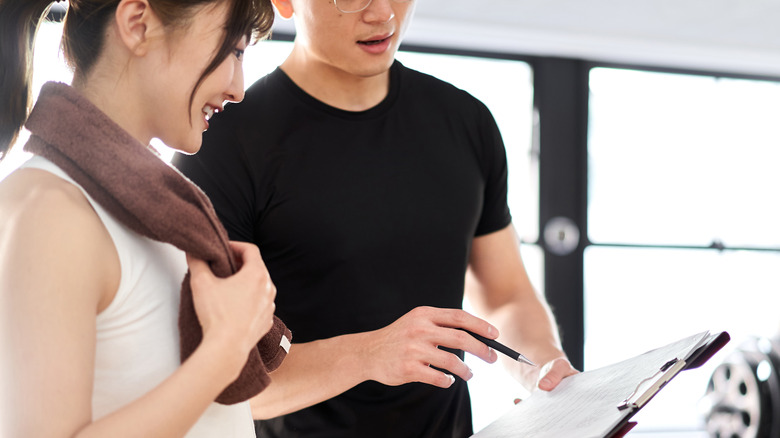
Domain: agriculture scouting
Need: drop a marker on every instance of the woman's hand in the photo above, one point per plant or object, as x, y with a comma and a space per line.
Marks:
238, 310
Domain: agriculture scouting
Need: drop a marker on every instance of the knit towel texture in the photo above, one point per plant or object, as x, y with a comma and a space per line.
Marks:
151, 198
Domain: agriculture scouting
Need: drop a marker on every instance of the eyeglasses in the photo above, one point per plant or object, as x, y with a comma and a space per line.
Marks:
352, 6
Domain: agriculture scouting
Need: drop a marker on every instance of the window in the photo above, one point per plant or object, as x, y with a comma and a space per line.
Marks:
683, 160
678, 164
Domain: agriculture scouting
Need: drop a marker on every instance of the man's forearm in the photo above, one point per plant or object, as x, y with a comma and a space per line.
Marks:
528, 326
311, 373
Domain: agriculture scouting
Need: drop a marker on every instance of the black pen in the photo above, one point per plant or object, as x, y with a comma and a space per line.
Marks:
492, 343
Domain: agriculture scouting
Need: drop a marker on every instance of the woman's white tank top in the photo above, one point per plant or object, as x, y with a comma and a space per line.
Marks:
137, 334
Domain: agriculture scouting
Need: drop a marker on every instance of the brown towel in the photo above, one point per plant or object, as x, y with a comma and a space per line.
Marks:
151, 198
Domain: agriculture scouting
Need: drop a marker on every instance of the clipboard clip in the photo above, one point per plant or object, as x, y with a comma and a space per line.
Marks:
636, 400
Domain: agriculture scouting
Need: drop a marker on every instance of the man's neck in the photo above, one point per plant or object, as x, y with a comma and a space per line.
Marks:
336, 87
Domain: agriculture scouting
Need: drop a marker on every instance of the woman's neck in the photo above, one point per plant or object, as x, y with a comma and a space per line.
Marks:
115, 98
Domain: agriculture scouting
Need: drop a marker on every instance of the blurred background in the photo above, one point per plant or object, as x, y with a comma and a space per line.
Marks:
643, 141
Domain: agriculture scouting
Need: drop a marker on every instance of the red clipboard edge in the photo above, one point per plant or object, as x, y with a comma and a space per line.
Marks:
705, 352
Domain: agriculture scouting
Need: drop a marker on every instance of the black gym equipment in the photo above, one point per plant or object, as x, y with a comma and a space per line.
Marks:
743, 394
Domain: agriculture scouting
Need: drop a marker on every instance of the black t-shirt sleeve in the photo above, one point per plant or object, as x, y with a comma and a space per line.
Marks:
222, 171
495, 210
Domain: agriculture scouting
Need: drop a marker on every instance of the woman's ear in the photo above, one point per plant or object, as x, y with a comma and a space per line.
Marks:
284, 7
135, 21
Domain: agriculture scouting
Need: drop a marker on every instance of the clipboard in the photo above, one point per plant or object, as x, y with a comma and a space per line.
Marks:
600, 403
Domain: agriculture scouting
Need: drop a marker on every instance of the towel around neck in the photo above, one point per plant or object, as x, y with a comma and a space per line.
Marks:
151, 198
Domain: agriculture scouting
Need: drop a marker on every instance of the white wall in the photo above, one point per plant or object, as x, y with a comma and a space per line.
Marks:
720, 35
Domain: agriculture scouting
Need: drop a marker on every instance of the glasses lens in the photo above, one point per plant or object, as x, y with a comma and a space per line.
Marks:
348, 6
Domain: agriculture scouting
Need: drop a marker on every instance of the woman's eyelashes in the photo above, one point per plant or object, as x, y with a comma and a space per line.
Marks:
239, 54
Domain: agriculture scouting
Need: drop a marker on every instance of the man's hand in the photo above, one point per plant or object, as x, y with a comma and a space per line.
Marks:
552, 372
407, 350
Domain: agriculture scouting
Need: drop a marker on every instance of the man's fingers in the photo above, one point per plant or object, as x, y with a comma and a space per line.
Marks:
463, 340
435, 377
452, 363
457, 318
444, 330
553, 372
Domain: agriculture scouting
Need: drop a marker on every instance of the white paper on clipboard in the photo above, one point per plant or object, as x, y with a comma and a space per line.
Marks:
593, 403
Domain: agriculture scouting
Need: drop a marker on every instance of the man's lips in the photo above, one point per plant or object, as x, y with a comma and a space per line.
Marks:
375, 40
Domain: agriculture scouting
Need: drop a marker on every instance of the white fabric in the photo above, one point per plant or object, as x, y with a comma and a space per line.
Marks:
137, 334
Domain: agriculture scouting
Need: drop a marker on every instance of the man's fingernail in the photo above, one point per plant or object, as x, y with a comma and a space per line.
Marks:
545, 382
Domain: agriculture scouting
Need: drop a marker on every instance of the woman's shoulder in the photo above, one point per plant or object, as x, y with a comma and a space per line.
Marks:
47, 225
38, 195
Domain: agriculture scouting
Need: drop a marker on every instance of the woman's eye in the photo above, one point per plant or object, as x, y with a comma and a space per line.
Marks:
239, 54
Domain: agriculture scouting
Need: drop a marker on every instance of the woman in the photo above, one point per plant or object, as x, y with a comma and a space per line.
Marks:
92, 229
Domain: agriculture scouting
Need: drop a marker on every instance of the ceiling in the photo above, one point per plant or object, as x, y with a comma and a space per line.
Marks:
739, 36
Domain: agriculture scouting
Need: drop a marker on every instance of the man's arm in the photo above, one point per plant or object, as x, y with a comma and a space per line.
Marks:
499, 289
404, 351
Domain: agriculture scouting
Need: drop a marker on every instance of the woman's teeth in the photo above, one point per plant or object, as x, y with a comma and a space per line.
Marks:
209, 111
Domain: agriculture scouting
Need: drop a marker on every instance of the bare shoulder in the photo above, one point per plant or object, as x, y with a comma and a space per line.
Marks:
27, 187
58, 266
48, 228
36, 205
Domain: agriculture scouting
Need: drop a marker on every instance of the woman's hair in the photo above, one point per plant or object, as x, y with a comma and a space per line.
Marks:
83, 40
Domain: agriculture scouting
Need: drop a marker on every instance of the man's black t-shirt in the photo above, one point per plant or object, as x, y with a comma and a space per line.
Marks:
360, 217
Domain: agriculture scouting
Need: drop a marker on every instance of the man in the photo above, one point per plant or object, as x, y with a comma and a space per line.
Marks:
370, 190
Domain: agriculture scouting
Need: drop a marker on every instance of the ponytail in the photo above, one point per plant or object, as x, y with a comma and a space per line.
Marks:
19, 20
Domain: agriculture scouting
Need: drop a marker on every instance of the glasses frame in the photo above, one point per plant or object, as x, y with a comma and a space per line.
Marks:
368, 3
